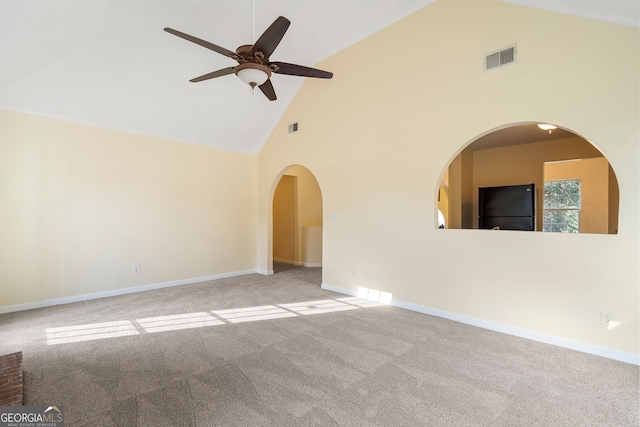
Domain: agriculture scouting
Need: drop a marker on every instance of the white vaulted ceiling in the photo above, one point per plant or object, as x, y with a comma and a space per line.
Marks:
109, 63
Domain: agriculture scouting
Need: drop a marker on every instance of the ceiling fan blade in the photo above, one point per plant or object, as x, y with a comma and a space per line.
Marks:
300, 70
203, 43
213, 75
267, 89
270, 39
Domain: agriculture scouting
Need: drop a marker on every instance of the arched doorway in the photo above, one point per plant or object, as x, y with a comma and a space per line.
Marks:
556, 161
297, 220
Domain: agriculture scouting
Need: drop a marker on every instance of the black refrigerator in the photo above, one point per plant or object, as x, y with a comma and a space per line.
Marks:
510, 207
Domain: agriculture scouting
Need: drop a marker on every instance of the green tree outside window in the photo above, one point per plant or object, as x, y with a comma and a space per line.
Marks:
561, 212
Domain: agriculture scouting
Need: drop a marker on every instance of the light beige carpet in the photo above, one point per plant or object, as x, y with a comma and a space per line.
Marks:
296, 355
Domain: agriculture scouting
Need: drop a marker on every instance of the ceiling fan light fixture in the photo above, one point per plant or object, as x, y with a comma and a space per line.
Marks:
547, 127
252, 74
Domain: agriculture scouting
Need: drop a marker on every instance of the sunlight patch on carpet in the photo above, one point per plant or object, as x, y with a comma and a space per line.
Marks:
252, 314
93, 331
374, 295
318, 307
177, 322
122, 328
361, 302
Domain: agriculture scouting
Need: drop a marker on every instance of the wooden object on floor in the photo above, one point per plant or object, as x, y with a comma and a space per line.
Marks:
11, 379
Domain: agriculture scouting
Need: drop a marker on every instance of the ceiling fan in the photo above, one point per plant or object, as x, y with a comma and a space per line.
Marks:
254, 66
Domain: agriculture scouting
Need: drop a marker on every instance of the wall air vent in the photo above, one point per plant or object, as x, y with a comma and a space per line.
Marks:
293, 127
500, 58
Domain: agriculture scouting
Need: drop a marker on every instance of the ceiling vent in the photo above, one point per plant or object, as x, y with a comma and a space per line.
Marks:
293, 127
500, 58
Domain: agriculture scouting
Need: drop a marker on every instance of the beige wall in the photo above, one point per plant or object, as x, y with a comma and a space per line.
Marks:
80, 206
285, 220
309, 245
379, 135
309, 197
594, 190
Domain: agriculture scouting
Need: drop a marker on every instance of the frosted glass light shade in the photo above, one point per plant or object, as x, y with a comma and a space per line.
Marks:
544, 126
252, 76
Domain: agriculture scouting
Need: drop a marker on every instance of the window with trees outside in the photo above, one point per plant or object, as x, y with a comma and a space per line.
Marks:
561, 211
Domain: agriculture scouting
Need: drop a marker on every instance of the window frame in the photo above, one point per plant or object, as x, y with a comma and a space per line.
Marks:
564, 209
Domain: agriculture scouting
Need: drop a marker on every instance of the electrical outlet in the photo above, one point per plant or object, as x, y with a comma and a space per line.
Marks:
606, 317
136, 269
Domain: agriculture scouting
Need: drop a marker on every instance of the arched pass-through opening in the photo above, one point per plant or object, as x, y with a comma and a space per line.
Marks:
523, 177
296, 220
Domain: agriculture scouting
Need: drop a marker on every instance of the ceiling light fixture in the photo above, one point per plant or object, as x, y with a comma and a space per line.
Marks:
548, 127
252, 74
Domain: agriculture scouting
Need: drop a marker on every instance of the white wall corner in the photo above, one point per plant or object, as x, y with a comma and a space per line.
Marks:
264, 272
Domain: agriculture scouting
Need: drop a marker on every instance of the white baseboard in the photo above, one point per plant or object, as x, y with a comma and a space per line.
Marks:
510, 330
116, 292
339, 290
264, 272
298, 263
